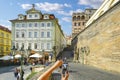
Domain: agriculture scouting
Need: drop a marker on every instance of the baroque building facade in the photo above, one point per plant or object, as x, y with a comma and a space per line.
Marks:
37, 31
79, 20
5, 41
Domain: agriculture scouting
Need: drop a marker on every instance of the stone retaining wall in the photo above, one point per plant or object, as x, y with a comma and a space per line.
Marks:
103, 39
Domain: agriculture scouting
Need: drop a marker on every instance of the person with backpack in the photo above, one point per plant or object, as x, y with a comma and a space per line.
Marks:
64, 68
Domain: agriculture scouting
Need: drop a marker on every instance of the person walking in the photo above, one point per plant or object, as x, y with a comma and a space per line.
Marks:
16, 72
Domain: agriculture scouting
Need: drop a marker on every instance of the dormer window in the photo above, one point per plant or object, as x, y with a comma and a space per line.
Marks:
20, 17
36, 15
46, 16
30, 16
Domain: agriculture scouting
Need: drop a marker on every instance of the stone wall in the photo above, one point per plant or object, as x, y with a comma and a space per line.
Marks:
103, 39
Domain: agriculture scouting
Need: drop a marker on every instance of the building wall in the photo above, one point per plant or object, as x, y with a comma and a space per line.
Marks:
79, 20
5, 41
102, 39
27, 24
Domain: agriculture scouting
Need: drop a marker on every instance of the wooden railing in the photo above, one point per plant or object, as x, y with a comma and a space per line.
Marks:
46, 75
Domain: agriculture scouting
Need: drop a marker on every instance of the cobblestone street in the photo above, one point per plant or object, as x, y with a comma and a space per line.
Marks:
83, 72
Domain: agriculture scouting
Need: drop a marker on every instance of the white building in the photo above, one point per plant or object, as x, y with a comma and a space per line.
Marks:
37, 31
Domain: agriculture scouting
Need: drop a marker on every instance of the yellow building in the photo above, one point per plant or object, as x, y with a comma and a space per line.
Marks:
5, 41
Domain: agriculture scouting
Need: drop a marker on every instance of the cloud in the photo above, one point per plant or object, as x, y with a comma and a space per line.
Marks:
26, 6
46, 6
92, 3
66, 19
5, 23
69, 13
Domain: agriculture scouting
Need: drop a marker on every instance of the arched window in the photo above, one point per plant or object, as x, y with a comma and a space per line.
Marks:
78, 18
75, 24
74, 18
82, 17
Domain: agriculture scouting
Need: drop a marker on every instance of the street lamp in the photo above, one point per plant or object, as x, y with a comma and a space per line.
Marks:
13, 52
54, 49
21, 60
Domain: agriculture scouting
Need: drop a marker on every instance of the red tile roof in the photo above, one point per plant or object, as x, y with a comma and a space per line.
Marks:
4, 29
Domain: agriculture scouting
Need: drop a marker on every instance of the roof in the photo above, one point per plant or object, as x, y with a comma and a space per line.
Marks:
4, 29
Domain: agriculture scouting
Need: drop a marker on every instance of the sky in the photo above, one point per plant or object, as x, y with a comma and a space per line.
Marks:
62, 9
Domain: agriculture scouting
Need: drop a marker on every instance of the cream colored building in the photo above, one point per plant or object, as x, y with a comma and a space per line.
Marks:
79, 20
99, 43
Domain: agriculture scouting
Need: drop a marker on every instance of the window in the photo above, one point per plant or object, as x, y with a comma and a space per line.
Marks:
29, 45
83, 23
7, 35
75, 24
42, 34
35, 24
36, 15
23, 34
22, 45
48, 24
83, 17
48, 34
17, 34
79, 24
35, 34
7, 48
35, 46
42, 45
78, 18
48, 45
17, 25
2, 34
23, 25
30, 24
30, 34
42, 24
30, 16
74, 18
17, 45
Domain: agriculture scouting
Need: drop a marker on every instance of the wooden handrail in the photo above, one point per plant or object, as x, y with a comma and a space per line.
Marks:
46, 75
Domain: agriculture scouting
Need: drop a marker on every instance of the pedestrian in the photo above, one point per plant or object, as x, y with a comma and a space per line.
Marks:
64, 68
18, 76
16, 72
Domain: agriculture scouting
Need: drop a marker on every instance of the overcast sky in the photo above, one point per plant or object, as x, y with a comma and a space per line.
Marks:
62, 9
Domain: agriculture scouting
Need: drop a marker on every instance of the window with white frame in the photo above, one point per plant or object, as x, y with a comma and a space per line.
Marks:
17, 45
48, 46
30, 34
42, 34
35, 24
42, 45
30, 15
30, 24
48, 34
17, 25
42, 24
23, 25
35, 45
23, 35
36, 15
29, 45
48, 24
35, 34
17, 34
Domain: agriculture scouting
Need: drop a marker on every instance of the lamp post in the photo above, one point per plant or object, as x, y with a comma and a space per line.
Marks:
54, 49
21, 60
13, 52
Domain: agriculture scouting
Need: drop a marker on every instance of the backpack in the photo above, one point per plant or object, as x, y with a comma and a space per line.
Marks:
64, 66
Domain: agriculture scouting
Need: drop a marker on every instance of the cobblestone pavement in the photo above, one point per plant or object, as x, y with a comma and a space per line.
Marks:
84, 72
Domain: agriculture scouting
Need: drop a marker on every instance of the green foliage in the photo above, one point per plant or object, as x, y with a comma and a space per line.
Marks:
31, 75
